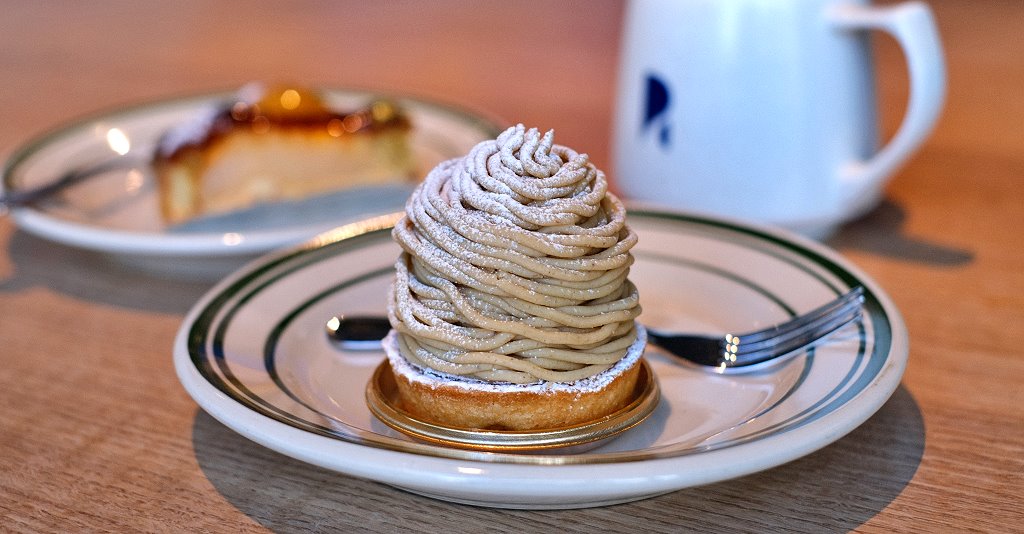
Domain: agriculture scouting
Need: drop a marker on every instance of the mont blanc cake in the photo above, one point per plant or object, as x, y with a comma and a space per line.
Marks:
511, 307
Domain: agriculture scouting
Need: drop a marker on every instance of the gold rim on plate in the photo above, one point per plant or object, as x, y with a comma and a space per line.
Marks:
382, 399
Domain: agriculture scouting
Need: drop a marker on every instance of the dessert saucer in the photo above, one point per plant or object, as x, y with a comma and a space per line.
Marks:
383, 401
253, 354
116, 211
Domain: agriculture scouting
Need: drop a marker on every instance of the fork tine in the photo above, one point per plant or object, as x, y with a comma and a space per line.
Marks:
813, 332
799, 340
813, 321
853, 297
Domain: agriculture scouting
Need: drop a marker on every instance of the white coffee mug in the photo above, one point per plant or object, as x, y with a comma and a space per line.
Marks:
765, 109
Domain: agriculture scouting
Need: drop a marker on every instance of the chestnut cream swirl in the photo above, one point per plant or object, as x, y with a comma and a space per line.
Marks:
514, 266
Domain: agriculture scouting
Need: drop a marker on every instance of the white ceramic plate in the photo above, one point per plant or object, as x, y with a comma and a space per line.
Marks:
254, 355
117, 211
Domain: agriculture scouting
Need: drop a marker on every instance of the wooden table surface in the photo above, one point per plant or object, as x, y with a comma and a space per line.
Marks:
96, 434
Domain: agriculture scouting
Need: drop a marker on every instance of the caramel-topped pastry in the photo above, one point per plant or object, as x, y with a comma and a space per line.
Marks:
511, 306
278, 144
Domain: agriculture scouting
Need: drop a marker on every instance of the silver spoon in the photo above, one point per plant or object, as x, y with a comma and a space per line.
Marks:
729, 352
24, 197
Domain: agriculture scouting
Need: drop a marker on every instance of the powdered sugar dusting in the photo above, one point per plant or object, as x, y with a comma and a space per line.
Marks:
435, 379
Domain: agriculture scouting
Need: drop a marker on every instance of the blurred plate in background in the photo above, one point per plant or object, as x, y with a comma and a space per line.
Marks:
117, 211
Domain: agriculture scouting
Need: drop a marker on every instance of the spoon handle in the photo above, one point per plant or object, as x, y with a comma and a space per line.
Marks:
24, 197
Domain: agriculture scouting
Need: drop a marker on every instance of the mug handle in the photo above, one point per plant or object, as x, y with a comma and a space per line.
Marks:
913, 27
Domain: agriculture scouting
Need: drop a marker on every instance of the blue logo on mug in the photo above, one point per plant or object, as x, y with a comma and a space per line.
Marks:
656, 101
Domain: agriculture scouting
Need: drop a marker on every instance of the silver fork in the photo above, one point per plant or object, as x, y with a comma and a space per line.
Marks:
723, 353
748, 351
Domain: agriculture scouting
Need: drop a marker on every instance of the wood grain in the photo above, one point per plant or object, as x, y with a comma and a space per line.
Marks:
97, 435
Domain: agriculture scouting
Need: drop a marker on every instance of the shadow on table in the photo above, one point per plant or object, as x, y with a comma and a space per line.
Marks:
881, 231
833, 490
88, 275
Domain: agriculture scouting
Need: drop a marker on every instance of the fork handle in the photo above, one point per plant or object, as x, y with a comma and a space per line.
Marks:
702, 350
